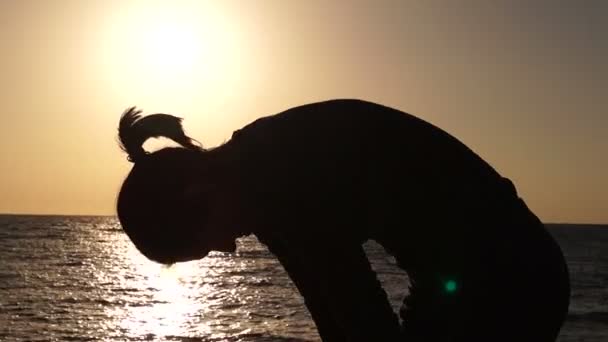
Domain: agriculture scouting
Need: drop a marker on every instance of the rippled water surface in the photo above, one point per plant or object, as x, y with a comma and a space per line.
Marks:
79, 278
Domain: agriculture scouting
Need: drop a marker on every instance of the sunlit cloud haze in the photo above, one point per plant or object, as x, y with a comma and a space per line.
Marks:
523, 83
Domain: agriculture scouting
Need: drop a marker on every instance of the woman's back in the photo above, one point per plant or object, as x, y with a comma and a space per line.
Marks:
355, 153
345, 171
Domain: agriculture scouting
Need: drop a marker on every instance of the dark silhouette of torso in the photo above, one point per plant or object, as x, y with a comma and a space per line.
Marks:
323, 178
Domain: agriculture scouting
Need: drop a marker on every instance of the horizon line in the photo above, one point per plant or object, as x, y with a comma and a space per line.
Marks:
114, 215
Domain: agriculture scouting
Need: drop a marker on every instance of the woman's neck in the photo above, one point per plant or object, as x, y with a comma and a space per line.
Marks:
219, 172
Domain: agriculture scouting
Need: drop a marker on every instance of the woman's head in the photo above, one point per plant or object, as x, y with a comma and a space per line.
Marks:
153, 206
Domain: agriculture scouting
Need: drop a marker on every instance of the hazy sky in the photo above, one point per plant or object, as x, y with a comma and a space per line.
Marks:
523, 83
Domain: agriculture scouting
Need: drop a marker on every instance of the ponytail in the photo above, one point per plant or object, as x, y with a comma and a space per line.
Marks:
134, 130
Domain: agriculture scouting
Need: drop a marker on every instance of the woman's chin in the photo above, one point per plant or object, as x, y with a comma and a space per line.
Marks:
192, 256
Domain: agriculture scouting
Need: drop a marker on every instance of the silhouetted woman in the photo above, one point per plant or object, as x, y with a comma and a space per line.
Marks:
315, 182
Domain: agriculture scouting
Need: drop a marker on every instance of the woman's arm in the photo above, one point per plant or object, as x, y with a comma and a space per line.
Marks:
315, 300
340, 289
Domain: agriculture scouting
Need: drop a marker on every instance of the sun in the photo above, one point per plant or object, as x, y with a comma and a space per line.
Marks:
161, 41
163, 51
171, 45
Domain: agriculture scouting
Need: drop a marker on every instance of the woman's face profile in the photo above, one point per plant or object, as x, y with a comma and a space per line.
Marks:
203, 221
194, 232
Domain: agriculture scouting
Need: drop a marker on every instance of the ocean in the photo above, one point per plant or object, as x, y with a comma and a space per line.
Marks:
80, 279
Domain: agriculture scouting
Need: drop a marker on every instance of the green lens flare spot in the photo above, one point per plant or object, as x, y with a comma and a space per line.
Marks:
450, 286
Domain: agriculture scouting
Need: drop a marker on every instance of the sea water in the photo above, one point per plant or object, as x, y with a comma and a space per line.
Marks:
80, 278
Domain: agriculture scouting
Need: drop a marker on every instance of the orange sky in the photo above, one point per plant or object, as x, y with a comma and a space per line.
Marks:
522, 83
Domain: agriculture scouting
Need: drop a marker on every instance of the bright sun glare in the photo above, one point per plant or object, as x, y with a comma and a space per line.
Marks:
170, 50
171, 46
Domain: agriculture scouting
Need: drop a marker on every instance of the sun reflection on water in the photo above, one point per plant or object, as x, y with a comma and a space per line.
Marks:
240, 296
167, 304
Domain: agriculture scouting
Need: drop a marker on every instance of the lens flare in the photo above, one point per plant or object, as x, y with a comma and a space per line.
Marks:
451, 286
